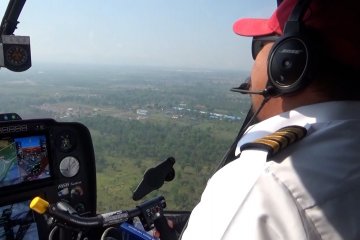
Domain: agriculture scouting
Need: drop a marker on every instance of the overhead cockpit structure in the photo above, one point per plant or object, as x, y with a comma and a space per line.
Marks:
15, 53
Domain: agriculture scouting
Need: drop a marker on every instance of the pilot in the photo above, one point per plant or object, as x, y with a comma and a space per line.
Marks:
296, 174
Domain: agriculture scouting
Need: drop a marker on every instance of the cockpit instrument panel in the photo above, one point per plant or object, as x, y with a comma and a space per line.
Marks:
42, 157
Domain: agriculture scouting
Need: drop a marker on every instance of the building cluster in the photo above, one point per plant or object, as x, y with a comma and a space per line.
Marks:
181, 111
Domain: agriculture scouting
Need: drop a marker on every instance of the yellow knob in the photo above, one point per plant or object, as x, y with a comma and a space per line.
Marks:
39, 205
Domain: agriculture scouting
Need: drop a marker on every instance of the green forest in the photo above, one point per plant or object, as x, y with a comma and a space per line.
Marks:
124, 147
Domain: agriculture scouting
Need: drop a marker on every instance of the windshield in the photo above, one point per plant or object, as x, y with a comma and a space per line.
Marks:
150, 79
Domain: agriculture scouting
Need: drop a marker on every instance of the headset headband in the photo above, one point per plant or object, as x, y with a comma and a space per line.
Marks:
294, 23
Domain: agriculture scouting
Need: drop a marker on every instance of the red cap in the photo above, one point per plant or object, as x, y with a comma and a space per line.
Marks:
337, 21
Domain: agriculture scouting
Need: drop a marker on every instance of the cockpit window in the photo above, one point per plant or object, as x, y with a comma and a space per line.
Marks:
150, 79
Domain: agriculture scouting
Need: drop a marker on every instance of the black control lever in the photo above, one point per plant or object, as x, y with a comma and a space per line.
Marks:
154, 178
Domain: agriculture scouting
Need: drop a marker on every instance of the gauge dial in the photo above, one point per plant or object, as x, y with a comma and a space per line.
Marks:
69, 166
66, 141
16, 55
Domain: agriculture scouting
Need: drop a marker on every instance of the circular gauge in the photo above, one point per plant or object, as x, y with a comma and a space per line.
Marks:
16, 55
69, 166
66, 141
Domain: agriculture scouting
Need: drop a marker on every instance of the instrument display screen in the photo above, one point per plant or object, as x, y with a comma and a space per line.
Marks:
23, 159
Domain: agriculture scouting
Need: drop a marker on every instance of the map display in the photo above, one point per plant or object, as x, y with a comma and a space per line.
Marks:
23, 159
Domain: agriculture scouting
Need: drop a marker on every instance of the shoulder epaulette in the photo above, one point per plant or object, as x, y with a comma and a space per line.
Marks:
278, 140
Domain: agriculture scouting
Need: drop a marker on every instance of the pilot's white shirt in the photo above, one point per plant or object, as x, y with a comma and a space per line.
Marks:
310, 190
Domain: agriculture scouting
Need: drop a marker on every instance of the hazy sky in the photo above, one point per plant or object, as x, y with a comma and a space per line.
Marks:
182, 33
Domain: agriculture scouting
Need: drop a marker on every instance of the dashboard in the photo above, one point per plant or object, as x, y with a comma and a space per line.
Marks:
46, 158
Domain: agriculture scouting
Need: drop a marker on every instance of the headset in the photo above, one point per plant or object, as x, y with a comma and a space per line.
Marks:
291, 57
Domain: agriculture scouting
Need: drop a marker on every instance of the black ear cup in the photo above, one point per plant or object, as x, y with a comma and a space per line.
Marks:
289, 58
288, 64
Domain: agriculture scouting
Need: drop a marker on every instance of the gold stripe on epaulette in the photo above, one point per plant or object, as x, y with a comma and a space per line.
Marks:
273, 144
289, 136
278, 140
